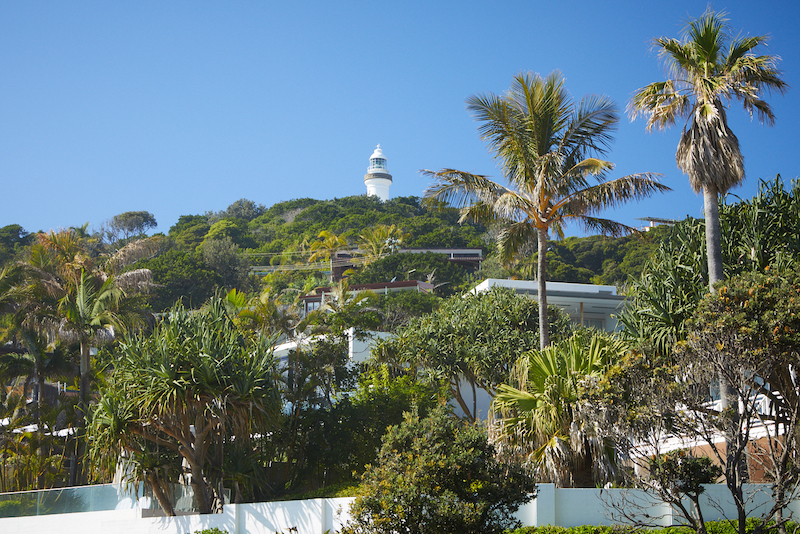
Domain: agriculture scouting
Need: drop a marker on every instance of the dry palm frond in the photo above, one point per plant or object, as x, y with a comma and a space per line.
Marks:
136, 281
133, 252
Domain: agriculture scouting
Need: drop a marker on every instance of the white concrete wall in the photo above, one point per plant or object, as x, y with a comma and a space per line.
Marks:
553, 506
314, 516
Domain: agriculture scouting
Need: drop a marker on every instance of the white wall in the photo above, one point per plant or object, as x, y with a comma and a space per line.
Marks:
309, 517
554, 506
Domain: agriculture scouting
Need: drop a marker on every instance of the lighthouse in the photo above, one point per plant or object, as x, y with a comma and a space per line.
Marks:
378, 178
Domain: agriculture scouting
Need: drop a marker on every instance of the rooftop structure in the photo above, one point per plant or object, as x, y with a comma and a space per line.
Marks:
587, 304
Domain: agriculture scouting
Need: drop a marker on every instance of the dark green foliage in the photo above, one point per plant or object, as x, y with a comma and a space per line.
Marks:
446, 276
600, 259
398, 308
291, 222
234, 229
13, 238
755, 234
243, 209
756, 318
181, 276
437, 475
346, 438
682, 474
190, 230
222, 256
133, 222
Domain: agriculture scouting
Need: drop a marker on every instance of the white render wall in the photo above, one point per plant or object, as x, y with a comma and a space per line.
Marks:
555, 506
315, 516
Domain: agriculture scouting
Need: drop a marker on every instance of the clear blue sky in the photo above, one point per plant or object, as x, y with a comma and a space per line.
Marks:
182, 107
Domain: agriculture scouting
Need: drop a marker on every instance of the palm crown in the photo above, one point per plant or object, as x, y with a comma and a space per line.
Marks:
548, 150
705, 69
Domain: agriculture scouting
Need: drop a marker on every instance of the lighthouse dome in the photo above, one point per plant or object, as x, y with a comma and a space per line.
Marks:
377, 162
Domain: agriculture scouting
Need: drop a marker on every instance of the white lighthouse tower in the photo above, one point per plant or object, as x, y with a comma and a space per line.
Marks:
378, 178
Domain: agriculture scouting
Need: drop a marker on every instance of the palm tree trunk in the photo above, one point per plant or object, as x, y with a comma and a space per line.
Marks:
713, 239
77, 471
40, 483
544, 334
727, 395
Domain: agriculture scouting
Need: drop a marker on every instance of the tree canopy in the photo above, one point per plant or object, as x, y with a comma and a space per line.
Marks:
435, 475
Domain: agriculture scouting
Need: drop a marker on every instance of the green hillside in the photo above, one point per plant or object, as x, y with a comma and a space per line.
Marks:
202, 253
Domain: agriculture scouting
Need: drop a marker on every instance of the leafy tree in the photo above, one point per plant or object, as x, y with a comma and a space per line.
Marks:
748, 334
707, 68
345, 439
547, 148
745, 334
435, 475
222, 256
181, 276
13, 238
470, 340
757, 232
190, 230
233, 229
243, 209
680, 476
129, 225
397, 308
540, 422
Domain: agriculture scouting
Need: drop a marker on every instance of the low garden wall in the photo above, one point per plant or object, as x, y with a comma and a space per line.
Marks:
554, 506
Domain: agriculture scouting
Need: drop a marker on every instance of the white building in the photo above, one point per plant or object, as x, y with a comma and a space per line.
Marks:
378, 178
586, 304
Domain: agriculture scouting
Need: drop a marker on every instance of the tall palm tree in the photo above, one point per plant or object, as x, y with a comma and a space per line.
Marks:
706, 68
87, 311
547, 146
540, 421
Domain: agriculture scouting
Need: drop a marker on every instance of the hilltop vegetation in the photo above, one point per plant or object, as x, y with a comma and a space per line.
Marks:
201, 253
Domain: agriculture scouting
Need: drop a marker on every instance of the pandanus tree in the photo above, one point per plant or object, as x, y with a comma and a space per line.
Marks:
193, 385
706, 68
549, 149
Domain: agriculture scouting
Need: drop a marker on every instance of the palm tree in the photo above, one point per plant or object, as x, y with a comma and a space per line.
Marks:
378, 241
86, 312
547, 147
326, 247
540, 421
706, 68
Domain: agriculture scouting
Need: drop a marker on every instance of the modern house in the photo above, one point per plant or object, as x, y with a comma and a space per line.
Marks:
587, 304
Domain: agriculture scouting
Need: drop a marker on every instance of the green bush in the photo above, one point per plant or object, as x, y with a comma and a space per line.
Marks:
437, 475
